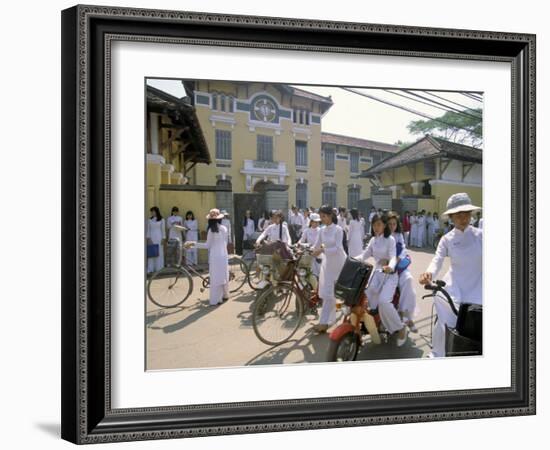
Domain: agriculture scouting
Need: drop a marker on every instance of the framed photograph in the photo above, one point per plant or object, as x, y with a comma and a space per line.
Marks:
279, 224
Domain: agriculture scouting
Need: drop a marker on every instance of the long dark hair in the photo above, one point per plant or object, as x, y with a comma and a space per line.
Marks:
156, 210
384, 219
213, 225
354, 213
328, 210
189, 213
394, 215
244, 220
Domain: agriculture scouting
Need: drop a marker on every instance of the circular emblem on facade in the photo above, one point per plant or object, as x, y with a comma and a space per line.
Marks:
265, 110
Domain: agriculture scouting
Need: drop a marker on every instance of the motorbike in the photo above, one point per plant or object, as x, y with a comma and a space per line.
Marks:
359, 321
465, 338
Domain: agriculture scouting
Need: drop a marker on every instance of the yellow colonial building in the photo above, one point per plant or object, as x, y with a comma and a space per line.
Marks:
425, 174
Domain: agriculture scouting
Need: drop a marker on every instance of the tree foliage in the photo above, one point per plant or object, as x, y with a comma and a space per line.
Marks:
453, 126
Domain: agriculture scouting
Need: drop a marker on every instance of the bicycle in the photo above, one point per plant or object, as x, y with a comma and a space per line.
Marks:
279, 311
170, 286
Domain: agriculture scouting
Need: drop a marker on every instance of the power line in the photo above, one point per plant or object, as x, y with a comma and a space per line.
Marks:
447, 100
441, 104
415, 100
404, 108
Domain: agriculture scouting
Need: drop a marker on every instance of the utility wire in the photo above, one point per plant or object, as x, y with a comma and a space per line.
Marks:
404, 108
434, 104
441, 104
415, 100
447, 100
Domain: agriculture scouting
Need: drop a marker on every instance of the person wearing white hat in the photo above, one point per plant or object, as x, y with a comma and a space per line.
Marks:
218, 266
463, 245
310, 236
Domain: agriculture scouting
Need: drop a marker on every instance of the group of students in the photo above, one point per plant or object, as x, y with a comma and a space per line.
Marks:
326, 231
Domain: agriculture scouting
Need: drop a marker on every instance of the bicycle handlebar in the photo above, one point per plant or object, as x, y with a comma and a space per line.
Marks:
437, 286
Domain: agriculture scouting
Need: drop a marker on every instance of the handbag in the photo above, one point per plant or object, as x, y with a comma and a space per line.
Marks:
152, 250
403, 264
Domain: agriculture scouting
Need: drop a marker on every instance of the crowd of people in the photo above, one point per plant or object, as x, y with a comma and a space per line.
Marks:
334, 234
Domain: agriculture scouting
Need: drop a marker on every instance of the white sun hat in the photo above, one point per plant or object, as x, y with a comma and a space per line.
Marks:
314, 217
459, 203
215, 214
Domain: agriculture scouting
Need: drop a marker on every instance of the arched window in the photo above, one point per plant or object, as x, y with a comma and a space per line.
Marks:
230, 101
301, 195
214, 101
222, 102
353, 197
329, 195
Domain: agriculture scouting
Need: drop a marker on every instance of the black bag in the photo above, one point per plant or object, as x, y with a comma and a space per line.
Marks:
248, 244
458, 345
469, 321
350, 281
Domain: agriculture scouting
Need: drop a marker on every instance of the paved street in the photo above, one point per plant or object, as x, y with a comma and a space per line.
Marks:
198, 335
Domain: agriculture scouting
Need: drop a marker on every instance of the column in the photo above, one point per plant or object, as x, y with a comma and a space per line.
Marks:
154, 132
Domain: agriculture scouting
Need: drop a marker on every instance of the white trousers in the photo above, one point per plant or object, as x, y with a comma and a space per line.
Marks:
218, 293
328, 311
380, 291
407, 299
445, 316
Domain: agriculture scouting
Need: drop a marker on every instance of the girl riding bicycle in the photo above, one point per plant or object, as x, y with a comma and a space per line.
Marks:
463, 245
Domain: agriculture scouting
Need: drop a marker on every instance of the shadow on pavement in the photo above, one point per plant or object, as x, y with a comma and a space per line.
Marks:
313, 347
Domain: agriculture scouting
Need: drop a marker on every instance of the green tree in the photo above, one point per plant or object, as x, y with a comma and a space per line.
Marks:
463, 128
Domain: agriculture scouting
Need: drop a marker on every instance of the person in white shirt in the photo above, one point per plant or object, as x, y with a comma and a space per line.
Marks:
296, 222
414, 230
310, 236
407, 299
430, 226
330, 245
381, 287
421, 229
464, 246
306, 218
264, 221
174, 219
249, 227
355, 233
192, 234
277, 231
226, 222
156, 234
218, 266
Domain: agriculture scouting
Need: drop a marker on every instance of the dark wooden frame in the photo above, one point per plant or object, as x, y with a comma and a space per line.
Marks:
87, 31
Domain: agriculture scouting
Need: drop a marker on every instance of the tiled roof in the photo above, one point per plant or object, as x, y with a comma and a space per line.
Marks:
426, 148
338, 139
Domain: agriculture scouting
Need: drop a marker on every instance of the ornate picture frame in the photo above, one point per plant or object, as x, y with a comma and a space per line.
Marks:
87, 35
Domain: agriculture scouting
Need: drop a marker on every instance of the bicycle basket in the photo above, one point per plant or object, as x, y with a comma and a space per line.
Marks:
305, 261
173, 252
351, 281
458, 345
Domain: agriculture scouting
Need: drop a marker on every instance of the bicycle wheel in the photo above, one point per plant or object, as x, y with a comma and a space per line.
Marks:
254, 275
169, 287
238, 274
278, 314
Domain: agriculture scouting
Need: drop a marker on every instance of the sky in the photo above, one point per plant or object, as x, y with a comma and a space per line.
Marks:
358, 116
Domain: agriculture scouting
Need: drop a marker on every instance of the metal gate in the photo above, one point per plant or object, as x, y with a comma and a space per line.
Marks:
255, 202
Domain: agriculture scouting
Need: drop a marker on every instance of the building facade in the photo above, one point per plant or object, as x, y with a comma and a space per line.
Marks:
263, 134
425, 174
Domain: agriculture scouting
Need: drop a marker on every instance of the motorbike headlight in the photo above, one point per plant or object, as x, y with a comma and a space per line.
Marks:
302, 272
